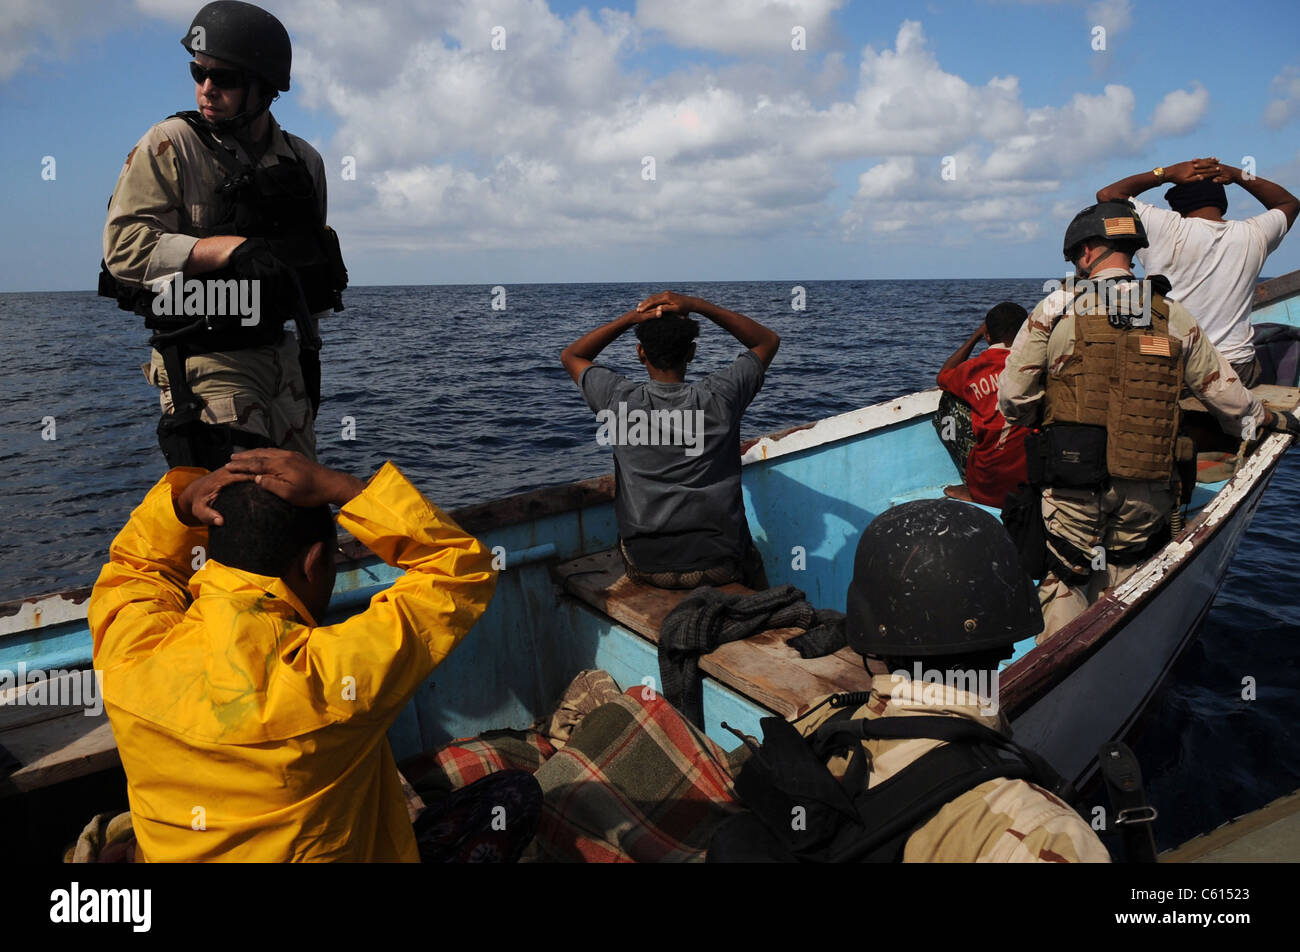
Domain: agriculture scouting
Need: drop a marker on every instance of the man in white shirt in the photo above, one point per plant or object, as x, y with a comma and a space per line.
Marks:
1212, 264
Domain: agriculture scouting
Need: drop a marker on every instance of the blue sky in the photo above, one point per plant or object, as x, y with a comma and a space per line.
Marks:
525, 165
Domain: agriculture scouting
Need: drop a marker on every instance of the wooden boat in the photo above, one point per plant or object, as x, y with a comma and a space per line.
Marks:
562, 604
1270, 834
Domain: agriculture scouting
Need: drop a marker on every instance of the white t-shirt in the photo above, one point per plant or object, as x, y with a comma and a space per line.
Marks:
1213, 267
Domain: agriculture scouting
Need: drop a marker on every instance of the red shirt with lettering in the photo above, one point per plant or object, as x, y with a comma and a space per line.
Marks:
997, 463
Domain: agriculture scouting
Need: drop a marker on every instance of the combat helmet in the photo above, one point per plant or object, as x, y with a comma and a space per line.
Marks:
1116, 223
245, 35
938, 577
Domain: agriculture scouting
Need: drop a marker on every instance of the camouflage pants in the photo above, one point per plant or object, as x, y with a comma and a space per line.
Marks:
1100, 526
258, 390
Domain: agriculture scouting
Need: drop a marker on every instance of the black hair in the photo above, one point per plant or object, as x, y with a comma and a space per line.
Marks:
1200, 194
667, 340
262, 533
1003, 321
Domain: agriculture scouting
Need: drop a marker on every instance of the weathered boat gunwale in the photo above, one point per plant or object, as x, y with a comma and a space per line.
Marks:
480, 518
1033, 676
1276, 289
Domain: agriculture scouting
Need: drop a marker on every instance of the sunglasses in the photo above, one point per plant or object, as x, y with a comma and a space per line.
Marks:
221, 78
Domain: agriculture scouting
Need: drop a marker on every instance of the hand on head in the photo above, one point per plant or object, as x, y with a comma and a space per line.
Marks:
1197, 170
289, 475
194, 505
294, 478
663, 304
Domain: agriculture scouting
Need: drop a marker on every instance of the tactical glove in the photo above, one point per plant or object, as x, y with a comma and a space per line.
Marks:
1285, 422
254, 259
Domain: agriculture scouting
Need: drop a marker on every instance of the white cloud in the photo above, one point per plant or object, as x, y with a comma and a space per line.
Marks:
1286, 87
1180, 111
999, 186
541, 145
1107, 21
544, 144
1115, 15
738, 26
32, 29
907, 104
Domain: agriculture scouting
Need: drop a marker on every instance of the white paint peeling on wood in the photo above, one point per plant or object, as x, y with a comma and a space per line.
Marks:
42, 612
1224, 503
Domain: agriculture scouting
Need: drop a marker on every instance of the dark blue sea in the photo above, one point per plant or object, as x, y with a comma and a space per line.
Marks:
473, 404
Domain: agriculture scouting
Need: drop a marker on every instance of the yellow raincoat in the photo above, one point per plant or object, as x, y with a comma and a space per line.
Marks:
246, 732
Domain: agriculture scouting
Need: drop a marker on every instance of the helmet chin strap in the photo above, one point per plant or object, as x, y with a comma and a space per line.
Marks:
1080, 272
238, 123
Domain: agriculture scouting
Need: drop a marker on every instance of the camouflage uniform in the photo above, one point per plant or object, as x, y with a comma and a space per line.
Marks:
1126, 514
999, 821
164, 202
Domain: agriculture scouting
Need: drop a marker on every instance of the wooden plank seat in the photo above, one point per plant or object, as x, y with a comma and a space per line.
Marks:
762, 668
56, 749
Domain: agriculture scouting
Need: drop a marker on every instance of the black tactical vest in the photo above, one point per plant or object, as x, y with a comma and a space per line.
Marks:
277, 203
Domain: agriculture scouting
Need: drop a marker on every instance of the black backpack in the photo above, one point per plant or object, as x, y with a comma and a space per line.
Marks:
798, 812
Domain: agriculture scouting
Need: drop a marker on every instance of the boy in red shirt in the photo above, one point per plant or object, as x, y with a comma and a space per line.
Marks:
996, 464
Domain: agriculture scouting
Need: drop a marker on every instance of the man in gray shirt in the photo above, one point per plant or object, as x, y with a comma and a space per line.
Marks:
681, 516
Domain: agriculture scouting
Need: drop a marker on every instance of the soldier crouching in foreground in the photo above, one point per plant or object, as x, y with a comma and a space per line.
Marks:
924, 770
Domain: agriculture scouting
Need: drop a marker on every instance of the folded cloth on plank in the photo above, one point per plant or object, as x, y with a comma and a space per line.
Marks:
707, 618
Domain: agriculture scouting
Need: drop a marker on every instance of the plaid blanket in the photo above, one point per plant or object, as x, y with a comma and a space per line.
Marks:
636, 783
463, 762
624, 777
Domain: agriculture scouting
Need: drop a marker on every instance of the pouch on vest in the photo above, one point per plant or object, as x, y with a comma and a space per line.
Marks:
800, 806
1023, 518
1075, 456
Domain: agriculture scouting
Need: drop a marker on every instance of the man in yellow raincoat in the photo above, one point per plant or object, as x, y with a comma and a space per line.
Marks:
249, 731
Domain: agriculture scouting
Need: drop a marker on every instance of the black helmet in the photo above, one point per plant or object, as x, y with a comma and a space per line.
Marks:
1114, 222
245, 35
938, 577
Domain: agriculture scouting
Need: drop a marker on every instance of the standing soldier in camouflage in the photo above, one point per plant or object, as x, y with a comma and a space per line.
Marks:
216, 235
1100, 365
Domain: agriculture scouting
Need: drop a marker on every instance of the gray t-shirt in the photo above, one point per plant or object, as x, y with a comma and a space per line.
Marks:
677, 462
